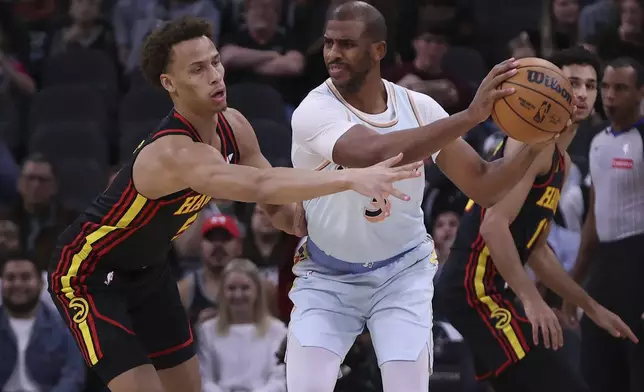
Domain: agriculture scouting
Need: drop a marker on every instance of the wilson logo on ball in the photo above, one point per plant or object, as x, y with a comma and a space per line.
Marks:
551, 83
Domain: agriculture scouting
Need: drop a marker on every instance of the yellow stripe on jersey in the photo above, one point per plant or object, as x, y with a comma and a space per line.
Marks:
504, 324
79, 304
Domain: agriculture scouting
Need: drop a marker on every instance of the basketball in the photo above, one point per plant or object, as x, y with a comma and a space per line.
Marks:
541, 105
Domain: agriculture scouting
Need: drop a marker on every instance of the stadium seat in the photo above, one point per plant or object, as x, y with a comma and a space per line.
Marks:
144, 103
65, 140
80, 182
274, 140
257, 101
67, 103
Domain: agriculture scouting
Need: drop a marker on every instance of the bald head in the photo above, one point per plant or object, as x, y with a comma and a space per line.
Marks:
375, 27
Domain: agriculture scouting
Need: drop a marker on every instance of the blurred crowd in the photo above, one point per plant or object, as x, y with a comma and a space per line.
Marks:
73, 106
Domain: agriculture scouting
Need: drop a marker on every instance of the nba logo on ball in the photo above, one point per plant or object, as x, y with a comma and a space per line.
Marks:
541, 105
542, 112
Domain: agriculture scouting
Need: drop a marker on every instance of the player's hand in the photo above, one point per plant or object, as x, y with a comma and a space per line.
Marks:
611, 322
376, 181
488, 92
544, 319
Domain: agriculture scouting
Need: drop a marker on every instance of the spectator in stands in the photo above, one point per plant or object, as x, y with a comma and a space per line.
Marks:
9, 238
626, 40
601, 15
238, 348
444, 232
86, 29
39, 215
269, 248
37, 19
426, 75
558, 30
37, 353
261, 51
133, 20
221, 242
13, 74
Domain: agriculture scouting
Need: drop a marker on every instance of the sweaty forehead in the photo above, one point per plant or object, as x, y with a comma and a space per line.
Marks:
341, 29
191, 51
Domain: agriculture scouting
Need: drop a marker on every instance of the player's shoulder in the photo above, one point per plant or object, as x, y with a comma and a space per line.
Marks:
428, 108
319, 96
319, 106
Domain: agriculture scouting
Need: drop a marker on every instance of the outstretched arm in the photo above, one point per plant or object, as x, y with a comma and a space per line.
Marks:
544, 263
320, 124
201, 167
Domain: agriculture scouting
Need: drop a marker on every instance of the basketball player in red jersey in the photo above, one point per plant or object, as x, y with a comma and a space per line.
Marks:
109, 277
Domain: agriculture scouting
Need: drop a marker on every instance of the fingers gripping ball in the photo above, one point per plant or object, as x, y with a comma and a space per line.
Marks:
541, 106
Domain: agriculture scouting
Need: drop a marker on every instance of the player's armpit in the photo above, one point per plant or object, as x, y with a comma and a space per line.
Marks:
484, 182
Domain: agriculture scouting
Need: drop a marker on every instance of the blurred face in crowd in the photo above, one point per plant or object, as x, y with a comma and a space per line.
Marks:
620, 95
261, 223
9, 238
218, 247
262, 16
37, 184
195, 75
348, 54
21, 285
240, 292
85, 11
583, 79
430, 49
565, 11
445, 229
632, 17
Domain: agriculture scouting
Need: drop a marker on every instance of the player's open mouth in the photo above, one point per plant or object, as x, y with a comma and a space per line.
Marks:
336, 69
219, 95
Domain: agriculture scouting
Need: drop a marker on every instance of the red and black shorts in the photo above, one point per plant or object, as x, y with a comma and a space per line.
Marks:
496, 329
120, 319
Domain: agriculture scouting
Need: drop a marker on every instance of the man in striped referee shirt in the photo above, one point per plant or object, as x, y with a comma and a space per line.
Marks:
610, 257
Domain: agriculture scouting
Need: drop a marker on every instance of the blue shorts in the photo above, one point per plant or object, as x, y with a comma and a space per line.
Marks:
394, 301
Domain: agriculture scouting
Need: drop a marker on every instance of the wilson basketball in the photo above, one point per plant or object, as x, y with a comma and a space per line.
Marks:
541, 105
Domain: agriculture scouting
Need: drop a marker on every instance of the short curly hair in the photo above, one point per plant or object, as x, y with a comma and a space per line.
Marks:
157, 49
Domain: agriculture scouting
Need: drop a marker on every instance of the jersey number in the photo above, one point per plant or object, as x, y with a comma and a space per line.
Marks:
186, 225
374, 214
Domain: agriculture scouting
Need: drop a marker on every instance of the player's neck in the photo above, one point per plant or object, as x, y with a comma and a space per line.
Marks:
623, 124
202, 121
371, 98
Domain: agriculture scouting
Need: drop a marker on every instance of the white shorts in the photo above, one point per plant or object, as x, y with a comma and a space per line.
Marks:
394, 301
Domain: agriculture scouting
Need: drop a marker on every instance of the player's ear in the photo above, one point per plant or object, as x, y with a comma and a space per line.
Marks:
379, 50
166, 82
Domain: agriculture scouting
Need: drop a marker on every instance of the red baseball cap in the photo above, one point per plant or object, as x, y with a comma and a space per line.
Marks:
219, 221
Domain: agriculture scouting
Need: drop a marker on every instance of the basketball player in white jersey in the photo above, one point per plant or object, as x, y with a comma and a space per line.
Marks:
371, 262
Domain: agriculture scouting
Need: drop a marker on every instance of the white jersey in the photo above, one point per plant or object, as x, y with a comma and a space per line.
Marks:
346, 225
